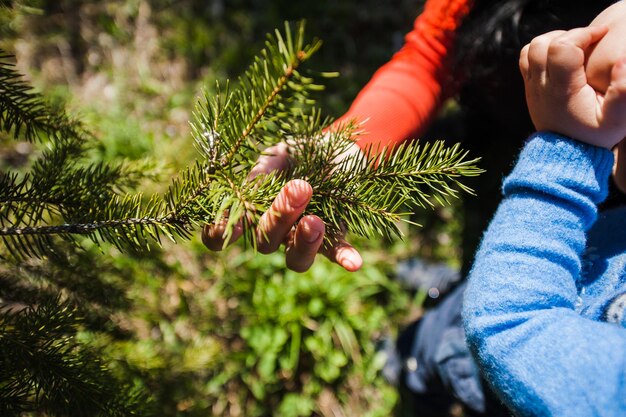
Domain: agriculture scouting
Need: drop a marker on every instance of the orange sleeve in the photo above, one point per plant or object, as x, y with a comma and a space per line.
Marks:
405, 94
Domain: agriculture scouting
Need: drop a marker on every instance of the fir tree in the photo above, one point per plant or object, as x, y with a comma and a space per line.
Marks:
49, 207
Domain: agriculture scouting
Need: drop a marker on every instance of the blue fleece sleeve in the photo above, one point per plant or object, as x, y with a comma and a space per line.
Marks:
539, 355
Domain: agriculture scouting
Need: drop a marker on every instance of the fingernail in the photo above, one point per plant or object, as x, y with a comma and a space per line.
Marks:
348, 264
310, 235
298, 193
350, 260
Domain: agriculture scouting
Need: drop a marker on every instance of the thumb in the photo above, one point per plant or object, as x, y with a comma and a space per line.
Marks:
614, 105
274, 158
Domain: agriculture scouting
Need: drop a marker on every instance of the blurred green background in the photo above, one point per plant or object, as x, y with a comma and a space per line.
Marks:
232, 333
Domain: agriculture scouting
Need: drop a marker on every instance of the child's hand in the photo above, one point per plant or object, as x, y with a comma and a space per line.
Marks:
558, 95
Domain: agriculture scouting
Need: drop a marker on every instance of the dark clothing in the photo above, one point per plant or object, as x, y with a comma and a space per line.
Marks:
435, 366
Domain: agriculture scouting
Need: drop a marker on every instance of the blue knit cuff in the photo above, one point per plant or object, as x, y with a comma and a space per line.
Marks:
556, 164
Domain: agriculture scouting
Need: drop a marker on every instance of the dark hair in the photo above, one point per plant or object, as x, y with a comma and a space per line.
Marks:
498, 29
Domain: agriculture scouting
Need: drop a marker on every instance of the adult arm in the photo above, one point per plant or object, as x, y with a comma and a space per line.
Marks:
405, 94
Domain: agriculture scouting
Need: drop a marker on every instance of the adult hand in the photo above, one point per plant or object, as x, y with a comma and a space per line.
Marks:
303, 239
559, 96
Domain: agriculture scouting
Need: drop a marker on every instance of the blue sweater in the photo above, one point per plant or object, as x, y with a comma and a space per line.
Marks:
545, 308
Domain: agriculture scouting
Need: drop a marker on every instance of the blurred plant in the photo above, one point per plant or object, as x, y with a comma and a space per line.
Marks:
303, 344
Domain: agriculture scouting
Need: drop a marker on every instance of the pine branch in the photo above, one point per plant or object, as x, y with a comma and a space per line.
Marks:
367, 193
83, 277
45, 369
62, 196
231, 129
370, 192
235, 124
24, 112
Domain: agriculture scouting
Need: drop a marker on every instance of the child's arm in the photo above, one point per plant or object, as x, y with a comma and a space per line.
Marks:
520, 310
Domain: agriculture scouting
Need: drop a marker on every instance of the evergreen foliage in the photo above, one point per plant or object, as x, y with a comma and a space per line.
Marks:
48, 289
45, 369
367, 193
61, 197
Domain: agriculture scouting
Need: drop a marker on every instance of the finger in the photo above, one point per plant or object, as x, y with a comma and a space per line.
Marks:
538, 53
343, 253
213, 235
614, 105
523, 61
308, 239
274, 158
566, 55
287, 207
